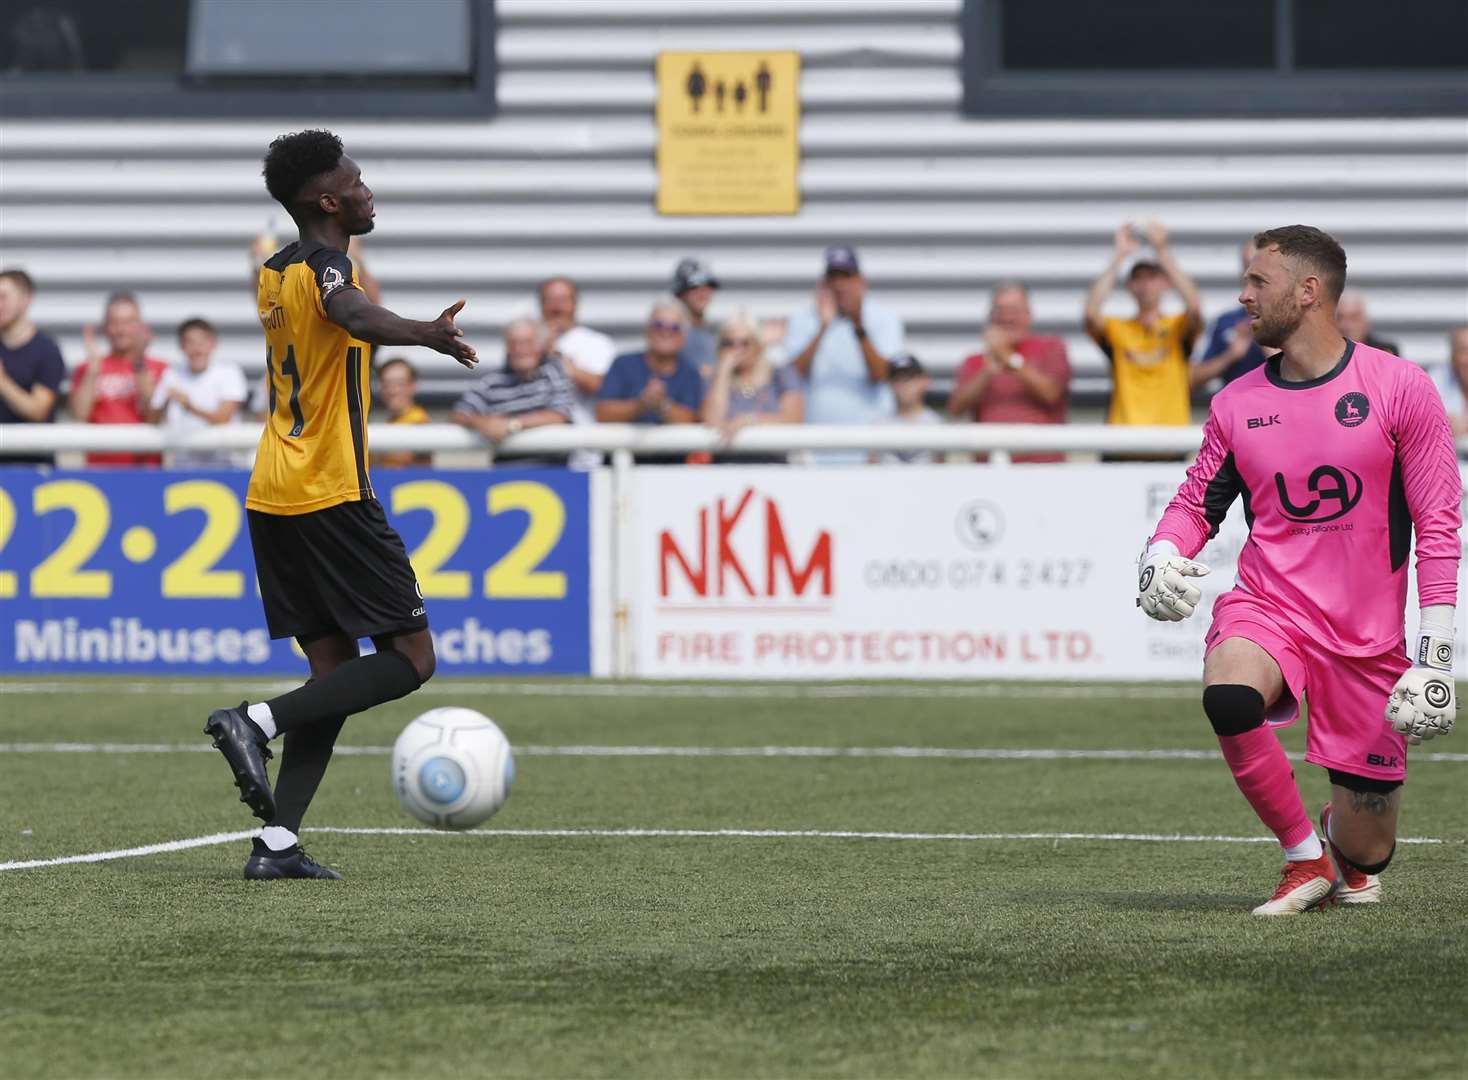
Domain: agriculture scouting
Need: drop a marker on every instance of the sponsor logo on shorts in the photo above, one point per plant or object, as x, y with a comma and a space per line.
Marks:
1336, 492
1352, 409
1382, 761
417, 611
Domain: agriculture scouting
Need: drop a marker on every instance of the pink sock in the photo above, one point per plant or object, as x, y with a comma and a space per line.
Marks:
1263, 774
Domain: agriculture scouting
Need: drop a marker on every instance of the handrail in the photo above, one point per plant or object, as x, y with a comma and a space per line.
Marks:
27, 439
22, 439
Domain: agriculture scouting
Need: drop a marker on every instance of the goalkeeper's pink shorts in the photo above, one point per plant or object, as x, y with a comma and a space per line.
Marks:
1345, 695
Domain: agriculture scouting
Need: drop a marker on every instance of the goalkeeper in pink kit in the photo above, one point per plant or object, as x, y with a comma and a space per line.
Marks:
1339, 453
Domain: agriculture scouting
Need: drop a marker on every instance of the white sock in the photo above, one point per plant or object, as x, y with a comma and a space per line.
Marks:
260, 714
277, 838
1306, 850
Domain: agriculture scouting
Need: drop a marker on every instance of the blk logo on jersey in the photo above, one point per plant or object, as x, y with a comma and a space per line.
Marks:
1352, 409
1335, 493
1256, 422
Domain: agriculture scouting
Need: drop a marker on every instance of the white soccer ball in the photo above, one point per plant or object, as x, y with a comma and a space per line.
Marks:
452, 768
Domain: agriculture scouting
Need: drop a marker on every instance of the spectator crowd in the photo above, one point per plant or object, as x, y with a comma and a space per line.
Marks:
842, 359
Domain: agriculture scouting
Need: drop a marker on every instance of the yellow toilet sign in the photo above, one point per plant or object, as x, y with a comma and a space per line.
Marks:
728, 132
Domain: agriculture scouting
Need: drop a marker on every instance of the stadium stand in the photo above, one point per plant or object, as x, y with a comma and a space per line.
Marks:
562, 181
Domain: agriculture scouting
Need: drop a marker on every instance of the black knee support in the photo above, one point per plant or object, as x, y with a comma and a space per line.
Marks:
1233, 709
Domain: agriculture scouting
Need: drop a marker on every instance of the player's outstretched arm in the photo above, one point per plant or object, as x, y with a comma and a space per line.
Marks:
361, 318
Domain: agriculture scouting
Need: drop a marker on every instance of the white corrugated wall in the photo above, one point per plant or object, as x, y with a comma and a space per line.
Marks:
562, 181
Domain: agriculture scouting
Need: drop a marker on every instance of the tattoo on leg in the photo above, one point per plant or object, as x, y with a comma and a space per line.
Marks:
1371, 802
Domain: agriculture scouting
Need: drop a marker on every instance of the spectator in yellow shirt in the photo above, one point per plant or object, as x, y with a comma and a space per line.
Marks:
397, 389
1148, 352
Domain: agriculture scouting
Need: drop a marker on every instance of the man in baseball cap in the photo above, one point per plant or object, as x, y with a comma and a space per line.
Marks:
910, 385
841, 259
843, 346
694, 284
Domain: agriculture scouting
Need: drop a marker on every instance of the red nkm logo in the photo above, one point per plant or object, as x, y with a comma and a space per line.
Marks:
716, 569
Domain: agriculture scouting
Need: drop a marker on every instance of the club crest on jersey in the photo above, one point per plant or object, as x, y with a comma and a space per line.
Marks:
1336, 492
1352, 409
332, 280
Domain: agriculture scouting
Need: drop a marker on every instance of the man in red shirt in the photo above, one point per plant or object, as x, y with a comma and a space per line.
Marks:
116, 388
1018, 378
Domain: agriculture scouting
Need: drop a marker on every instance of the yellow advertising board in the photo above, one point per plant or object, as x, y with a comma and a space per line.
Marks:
728, 132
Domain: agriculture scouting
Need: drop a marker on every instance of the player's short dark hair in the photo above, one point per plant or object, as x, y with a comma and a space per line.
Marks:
21, 279
294, 159
1321, 251
197, 324
398, 361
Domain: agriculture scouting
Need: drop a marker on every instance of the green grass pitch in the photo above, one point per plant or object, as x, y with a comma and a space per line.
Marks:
517, 955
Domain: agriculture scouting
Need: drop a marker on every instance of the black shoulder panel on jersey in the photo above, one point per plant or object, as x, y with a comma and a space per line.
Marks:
284, 257
1398, 518
333, 270
1226, 486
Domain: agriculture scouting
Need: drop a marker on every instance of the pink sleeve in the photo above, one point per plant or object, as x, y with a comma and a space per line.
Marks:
1201, 504
1432, 484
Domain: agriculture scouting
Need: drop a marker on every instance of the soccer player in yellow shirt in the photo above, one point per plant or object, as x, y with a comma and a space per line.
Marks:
331, 569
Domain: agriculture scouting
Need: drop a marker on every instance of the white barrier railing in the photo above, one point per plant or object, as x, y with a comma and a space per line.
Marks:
21, 439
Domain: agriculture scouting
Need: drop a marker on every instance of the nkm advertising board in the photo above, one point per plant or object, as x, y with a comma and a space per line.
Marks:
912, 572
150, 571
908, 572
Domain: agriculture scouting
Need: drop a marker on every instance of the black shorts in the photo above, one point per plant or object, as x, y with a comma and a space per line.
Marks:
339, 570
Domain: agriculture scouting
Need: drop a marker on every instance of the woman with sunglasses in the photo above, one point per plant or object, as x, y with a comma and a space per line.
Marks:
746, 388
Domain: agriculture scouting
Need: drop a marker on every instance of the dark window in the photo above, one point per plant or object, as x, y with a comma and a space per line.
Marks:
423, 38
1229, 58
1136, 35
110, 58
1406, 35
95, 37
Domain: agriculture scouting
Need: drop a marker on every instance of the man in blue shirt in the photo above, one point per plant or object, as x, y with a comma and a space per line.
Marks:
31, 368
843, 346
1231, 350
655, 386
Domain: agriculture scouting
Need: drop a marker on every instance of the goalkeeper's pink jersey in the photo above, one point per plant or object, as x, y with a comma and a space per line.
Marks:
1335, 473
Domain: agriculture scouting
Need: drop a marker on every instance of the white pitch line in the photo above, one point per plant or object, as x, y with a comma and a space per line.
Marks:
909, 752
821, 834
452, 687
134, 852
214, 839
